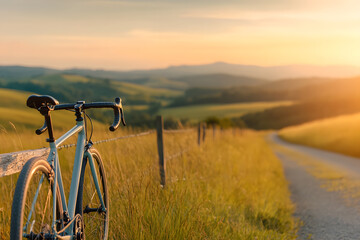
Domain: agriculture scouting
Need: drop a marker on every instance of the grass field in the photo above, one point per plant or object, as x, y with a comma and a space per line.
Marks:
200, 112
136, 89
125, 87
16, 116
229, 188
340, 134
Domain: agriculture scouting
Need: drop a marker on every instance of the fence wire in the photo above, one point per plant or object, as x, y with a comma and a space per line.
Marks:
150, 169
111, 139
179, 131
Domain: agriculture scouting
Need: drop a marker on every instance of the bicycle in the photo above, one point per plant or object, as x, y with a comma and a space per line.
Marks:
39, 209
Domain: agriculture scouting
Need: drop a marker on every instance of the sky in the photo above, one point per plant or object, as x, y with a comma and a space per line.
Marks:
137, 34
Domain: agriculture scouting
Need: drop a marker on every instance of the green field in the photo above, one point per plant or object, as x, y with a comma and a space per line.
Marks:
339, 134
200, 112
135, 89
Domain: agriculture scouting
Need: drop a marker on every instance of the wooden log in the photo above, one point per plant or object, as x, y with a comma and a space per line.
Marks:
11, 163
160, 143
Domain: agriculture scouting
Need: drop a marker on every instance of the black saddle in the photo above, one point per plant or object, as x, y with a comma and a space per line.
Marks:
36, 101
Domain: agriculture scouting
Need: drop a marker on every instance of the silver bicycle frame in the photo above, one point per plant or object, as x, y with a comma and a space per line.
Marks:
53, 159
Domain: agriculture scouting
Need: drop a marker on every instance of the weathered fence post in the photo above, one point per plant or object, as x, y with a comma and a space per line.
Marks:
160, 143
204, 131
199, 133
214, 130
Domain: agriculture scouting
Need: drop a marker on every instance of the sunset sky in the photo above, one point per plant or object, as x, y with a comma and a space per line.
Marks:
153, 34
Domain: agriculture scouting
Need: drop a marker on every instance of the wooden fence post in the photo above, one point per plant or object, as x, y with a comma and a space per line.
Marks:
204, 132
214, 130
160, 143
199, 134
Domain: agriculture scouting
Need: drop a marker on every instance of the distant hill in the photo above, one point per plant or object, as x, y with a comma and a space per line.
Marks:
269, 73
147, 91
317, 101
158, 82
68, 88
21, 72
280, 117
219, 80
252, 71
291, 84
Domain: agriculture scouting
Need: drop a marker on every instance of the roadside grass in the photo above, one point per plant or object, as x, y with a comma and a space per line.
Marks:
340, 134
229, 188
200, 112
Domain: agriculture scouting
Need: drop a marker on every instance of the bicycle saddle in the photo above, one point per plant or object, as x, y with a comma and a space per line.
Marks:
36, 101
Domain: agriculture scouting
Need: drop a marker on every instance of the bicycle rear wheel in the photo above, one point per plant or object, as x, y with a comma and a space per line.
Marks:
96, 221
32, 208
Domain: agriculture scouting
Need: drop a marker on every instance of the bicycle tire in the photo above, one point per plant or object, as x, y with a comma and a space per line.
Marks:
31, 172
96, 224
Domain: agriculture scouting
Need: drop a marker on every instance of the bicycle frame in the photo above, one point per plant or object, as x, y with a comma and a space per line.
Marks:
53, 159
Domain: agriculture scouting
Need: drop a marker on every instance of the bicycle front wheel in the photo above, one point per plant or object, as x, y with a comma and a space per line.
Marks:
32, 208
96, 220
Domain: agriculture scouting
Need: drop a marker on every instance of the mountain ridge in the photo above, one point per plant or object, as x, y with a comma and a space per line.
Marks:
251, 71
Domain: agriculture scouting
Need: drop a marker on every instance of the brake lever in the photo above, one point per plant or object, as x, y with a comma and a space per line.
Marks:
42, 129
122, 117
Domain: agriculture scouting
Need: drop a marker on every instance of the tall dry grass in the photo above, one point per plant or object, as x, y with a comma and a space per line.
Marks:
339, 134
232, 187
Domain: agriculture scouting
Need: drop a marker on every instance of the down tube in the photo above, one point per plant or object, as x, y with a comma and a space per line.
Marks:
79, 154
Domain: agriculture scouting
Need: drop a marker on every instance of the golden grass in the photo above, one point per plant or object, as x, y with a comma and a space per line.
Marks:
340, 134
229, 188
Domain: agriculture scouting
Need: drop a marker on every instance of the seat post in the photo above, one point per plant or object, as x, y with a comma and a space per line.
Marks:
45, 111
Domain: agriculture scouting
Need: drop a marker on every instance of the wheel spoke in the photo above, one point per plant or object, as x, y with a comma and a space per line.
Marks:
34, 202
96, 222
46, 203
31, 213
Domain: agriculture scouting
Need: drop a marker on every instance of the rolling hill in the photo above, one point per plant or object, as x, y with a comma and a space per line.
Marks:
219, 80
201, 112
14, 115
251, 71
66, 87
20, 72
148, 91
270, 73
339, 134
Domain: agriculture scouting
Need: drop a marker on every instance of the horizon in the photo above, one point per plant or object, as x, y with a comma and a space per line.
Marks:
132, 35
180, 65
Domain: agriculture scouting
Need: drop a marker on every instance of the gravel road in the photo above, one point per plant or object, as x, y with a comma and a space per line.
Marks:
324, 214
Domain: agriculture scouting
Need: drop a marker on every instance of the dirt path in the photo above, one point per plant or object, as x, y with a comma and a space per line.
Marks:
325, 214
